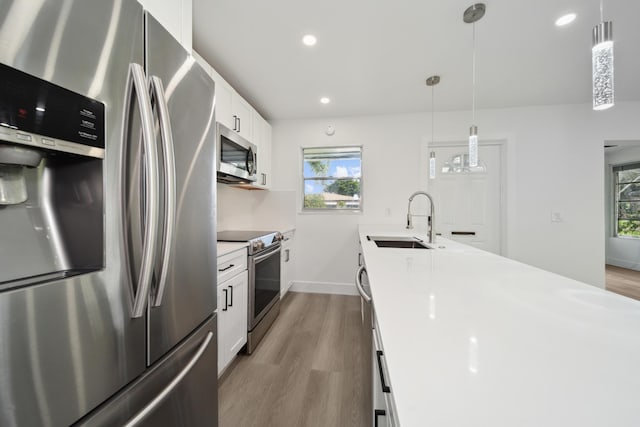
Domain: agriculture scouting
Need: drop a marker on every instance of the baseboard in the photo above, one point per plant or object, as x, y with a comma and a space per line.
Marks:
324, 288
623, 263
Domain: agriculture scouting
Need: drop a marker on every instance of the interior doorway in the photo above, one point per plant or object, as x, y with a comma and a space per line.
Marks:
469, 200
622, 217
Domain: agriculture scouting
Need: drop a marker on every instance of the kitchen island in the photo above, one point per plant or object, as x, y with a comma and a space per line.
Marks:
474, 339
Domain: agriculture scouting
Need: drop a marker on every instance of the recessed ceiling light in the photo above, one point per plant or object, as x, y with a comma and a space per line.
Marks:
309, 40
325, 100
565, 19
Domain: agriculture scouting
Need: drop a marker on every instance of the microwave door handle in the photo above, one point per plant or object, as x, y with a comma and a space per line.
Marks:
166, 135
248, 161
251, 161
255, 163
137, 80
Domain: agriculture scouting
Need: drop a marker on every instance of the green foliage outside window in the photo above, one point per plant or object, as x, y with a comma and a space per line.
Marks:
627, 203
344, 187
313, 201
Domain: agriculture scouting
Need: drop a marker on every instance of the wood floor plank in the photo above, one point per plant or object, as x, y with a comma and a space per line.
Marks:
330, 352
356, 407
322, 400
235, 411
310, 369
623, 281
278, 338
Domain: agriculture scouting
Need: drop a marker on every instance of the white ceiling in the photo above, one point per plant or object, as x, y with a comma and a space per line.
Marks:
373, 56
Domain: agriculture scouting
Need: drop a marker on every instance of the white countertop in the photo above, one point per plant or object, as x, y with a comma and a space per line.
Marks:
475, 339
228, 247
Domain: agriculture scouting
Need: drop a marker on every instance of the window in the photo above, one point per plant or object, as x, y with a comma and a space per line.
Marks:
627, 200
332, 178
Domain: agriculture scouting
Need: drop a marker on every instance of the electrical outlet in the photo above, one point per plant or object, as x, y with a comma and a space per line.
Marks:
387, 212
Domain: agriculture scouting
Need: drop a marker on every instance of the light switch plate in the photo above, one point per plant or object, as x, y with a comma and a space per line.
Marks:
556, 216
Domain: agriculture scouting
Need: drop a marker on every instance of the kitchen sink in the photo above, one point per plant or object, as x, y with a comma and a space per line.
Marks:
398, 242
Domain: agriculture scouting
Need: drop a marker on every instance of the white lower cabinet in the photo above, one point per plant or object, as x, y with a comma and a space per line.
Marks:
286, 263
232, 318
383, 407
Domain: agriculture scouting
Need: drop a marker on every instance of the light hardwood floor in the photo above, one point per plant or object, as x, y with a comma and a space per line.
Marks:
313, 368
623, 281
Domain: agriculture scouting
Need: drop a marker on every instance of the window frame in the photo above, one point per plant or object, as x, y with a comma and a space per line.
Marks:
616, 198
347, 211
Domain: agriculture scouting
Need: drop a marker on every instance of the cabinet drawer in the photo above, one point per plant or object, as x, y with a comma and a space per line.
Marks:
231, 264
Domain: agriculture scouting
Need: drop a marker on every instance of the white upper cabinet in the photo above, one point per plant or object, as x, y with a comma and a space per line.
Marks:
224, 94
176, 16
242, 116
262, 138
224, 97
238, 115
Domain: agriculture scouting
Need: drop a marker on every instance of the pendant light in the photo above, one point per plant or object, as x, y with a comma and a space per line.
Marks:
602, 63
431, 82
473, 13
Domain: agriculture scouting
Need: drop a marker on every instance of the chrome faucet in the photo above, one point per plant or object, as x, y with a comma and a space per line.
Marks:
432, 216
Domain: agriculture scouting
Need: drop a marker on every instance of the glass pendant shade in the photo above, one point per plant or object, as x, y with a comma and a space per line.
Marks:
432, 165
473, 146
602, 63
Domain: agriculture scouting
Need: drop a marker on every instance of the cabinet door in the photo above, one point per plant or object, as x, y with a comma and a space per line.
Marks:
284, 277
223, 320
237, 328
286, 270
243, 117
224, 95
262, 138
232, 318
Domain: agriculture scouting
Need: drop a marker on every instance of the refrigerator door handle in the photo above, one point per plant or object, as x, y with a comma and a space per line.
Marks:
166, 135
137, 80
153, 405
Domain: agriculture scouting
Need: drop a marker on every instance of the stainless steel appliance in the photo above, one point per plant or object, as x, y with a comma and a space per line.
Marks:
107, 292
264, 279
379, 414
237, 157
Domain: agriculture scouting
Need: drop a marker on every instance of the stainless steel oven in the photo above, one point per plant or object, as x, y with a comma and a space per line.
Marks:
264, 280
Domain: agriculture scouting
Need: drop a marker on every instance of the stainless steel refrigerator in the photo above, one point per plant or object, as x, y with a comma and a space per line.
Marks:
107, 220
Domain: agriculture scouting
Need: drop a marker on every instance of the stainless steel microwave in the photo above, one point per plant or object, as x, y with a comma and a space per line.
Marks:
237, 157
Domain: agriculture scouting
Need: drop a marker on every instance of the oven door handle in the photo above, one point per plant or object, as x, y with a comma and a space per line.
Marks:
257, 259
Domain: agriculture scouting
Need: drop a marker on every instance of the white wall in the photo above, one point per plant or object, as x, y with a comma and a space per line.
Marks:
623, 252
240, 209
554, 163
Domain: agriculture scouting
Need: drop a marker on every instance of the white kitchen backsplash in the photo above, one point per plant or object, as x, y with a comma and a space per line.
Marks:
240, 209
234, 208
274, 210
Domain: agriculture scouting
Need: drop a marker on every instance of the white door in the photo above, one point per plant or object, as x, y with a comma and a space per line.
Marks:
468, 201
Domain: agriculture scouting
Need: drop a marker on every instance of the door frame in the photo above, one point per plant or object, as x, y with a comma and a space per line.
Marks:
501, 143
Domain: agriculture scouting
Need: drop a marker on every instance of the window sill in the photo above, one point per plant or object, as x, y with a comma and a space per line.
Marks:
627, 237
330, 212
